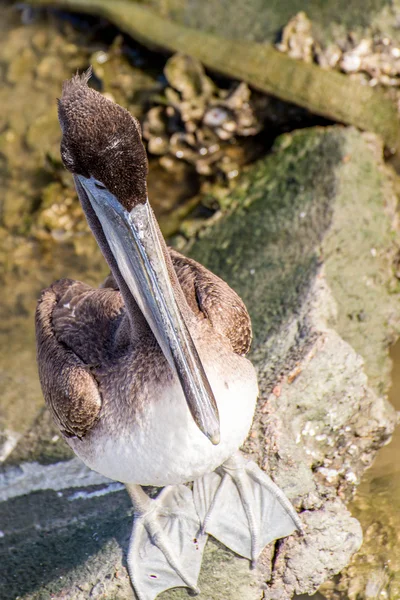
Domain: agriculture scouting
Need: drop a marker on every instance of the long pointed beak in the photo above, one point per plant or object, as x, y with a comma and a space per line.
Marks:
135, 245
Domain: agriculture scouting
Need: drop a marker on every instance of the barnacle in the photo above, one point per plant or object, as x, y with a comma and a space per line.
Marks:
198, 122
374, 59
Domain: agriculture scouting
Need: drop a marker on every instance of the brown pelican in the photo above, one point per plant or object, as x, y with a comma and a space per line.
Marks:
146, 377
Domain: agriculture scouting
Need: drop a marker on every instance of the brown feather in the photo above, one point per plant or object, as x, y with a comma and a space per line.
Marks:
78, 329
69, 388
103, 140
216, 301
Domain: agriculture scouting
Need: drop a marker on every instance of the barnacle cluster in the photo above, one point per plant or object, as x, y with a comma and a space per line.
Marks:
197, 122
375, 59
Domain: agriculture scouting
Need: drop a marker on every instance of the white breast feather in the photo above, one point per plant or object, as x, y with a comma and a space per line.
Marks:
165, 446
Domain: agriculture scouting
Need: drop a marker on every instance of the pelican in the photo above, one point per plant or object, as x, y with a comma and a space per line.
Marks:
146, 376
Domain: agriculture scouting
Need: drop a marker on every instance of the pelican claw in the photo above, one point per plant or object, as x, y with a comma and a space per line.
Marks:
243, 508
166, 547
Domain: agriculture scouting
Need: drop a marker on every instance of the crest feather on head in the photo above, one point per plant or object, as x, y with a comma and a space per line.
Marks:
103, 140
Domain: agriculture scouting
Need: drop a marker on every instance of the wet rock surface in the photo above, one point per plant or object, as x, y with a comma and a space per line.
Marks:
322, 413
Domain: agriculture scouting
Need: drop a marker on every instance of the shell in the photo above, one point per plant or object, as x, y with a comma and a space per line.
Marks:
297, 40
197, 122
375, 60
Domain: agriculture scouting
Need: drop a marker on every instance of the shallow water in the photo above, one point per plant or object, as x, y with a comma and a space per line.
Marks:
377, 506
374, 572
34, 60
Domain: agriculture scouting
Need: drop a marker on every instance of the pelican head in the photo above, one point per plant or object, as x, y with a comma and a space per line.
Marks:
101, 145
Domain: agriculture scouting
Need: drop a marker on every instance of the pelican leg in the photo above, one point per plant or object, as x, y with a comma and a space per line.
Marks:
243, 508
166, 546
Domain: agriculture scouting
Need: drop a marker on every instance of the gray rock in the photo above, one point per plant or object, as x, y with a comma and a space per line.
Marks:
295, 242
331, 535
256, 20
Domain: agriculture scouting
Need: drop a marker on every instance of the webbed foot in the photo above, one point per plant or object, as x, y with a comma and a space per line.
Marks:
166, 545
243, 508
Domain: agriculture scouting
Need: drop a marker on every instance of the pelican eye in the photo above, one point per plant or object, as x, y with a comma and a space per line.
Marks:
99, 185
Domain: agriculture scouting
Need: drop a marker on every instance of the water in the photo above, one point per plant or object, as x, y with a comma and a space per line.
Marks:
377, 506
374, 572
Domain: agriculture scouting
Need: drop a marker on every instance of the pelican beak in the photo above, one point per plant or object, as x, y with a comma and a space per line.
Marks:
135, 244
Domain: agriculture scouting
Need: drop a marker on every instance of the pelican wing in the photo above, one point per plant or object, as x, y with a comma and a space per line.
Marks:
65, 351
208, 294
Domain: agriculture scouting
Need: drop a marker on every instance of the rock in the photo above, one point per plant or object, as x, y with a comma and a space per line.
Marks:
259, 21
332, 535
319, 420
197, 122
